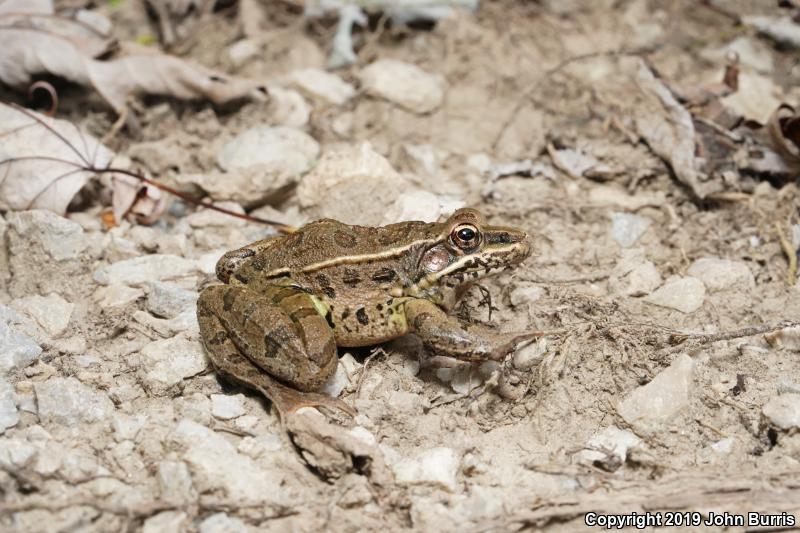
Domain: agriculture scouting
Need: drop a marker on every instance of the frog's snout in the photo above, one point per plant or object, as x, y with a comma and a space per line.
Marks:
517, 242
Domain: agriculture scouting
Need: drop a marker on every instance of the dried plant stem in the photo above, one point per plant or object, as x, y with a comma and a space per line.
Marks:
700, 339
791, 254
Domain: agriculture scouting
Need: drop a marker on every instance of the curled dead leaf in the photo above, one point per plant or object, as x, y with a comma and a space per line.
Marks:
784, 131
133, 198
43, 160
68, 49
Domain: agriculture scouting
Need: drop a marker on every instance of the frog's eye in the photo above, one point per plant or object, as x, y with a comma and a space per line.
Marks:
465, 236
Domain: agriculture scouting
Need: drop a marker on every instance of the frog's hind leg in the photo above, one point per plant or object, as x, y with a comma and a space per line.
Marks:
230, 362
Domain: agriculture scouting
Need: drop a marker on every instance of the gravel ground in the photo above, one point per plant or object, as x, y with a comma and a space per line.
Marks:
651, 393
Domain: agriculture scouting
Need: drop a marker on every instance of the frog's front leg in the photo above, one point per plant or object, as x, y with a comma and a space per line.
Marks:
445, 335
275, 342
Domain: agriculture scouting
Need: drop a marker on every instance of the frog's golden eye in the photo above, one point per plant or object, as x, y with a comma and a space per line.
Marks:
465, 236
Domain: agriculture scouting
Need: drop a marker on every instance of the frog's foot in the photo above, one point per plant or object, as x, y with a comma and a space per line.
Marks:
284, 399
513, 341
287, 400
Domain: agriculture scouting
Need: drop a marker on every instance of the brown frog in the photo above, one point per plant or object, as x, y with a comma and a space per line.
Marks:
289, 301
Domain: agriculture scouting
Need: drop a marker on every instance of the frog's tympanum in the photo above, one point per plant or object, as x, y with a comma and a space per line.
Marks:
287, 302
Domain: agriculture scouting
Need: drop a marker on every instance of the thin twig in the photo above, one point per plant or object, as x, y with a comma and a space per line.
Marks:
595, 276
700, 339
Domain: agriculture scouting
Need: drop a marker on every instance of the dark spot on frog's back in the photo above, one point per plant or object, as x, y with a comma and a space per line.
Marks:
329, 292
362, 317
344, 239
329, 319
351, 277
384, 275
228, 299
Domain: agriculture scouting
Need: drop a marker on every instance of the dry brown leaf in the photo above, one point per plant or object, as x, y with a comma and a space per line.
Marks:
44, 162
668, 129
39, 16
39, 169
660, 120
133, 198
29, 51
784, 130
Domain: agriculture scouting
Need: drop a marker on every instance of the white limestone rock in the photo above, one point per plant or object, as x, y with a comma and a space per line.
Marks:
168, 300
167, 362
16, 349
323, 85
51, 312
626, 228
720, 274
287, 107
420, 205
242, 51
222, 523
403, 84
8, 407
166, 522
338, 381
144, 269
437, 467
611, 441
227, 406
175, 482
682, 294
185, 322
278, 149
60, 238
634, 274
67, 401
116, 295
260, 165
783, 411
650, 406
215, 465
353, 184
16, 454
127, 427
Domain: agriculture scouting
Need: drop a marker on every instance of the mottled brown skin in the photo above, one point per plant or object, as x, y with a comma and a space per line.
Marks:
288, 302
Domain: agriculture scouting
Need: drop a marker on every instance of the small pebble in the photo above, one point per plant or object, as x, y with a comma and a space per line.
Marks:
783, 411
403, 84
227, 407
682, 294
626, 228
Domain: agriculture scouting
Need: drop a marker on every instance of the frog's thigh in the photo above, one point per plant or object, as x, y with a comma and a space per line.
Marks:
295, 345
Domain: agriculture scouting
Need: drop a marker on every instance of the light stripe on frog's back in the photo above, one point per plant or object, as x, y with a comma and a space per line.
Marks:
324, 246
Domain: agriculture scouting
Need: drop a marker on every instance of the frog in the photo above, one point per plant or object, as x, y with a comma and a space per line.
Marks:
286, 303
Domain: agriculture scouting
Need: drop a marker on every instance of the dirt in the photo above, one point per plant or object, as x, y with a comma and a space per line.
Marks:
521, 78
